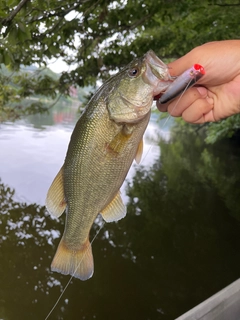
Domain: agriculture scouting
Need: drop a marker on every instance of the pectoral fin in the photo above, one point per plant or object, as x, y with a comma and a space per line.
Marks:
115, 211
139, 153
118, 143
55, 201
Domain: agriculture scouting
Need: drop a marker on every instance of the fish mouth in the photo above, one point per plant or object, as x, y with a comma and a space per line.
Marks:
156, 74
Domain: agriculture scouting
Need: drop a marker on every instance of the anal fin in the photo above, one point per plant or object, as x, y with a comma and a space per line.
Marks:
55, 201
115, 210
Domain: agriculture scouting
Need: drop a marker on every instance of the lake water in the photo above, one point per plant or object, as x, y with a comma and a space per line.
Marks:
33, 150
178, 244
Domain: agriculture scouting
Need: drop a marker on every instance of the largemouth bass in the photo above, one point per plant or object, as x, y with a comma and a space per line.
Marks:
105, 141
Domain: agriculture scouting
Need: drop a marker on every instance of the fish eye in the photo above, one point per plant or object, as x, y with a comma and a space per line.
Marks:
133, 72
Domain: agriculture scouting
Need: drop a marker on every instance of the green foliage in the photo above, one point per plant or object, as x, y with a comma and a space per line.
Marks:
96, 37
222, 129
21, 92
100, 36
215, 166
211, 132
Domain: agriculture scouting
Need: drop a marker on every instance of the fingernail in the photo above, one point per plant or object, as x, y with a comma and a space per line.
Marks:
210, 100
202, 91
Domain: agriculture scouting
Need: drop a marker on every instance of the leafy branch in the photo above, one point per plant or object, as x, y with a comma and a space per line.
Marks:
12, 15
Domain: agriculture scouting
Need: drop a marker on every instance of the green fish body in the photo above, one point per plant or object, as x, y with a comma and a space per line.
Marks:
103, 145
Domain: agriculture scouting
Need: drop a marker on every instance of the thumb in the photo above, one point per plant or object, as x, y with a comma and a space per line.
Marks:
180, 65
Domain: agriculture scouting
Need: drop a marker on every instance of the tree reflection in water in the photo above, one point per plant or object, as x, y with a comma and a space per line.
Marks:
26, 248
179, 243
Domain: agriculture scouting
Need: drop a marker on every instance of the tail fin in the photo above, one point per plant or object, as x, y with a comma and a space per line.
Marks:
79, 264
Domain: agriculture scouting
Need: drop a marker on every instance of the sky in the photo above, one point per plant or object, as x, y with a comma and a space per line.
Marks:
58, 65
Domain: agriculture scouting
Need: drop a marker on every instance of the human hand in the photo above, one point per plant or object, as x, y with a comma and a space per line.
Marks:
218, 97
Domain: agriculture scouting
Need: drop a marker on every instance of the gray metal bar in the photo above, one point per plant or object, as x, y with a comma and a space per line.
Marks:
224, 305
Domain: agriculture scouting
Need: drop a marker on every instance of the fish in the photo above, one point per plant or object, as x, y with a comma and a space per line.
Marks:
105, 141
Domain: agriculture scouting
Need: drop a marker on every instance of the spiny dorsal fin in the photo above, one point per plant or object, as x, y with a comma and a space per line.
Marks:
55, 201
139, 153
115, 210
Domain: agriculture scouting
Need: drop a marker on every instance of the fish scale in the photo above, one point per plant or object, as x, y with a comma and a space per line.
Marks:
105, 141
92, 198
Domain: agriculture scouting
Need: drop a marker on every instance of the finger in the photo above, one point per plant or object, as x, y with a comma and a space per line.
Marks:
180, 65
177, 106
200, 111
162, 107
199, 55
216, 72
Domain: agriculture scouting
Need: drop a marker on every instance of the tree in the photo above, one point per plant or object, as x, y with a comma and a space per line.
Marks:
96, 37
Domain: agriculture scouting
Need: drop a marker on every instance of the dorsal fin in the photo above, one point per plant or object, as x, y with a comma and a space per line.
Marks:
55, 201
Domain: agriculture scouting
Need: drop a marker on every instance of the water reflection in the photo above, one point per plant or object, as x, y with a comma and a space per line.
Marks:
185, 214
179, 243
26, 237
32, 150
63, 114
